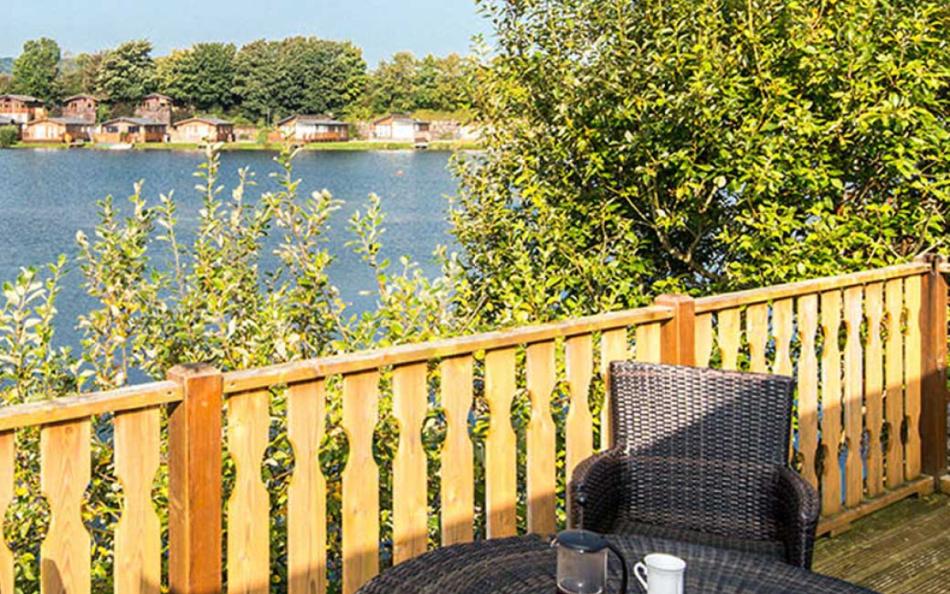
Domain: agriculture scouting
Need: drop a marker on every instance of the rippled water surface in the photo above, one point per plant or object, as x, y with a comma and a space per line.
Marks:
48, 195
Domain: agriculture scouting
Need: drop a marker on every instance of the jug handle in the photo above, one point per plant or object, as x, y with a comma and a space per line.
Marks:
623, 567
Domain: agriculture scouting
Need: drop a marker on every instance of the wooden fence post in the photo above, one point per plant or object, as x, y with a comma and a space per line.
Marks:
933, 414
678, 335
194, 483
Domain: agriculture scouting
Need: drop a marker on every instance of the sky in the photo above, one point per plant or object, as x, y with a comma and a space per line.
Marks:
380, 27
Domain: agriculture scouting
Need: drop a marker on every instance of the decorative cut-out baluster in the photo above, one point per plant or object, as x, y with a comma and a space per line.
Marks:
138, 545
830, 401
874, 386
458, 477
757, 329
360, 481
7, 470
853, 395
248, 537
410, 528
580, 437
541, 378
65, 555
306, 493
613, 347
730, 330
913, 370
808, 387
500, 470
894, 380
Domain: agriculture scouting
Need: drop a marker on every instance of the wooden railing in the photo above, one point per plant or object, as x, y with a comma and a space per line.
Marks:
868, 350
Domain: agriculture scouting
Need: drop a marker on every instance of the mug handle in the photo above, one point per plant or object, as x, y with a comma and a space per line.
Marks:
641, 578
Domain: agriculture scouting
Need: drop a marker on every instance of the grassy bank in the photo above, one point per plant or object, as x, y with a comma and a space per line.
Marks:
356, 145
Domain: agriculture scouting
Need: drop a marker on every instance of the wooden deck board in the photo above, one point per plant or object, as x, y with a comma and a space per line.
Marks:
903, 548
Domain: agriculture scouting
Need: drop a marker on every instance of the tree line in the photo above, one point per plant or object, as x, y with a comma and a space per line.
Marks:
260, 82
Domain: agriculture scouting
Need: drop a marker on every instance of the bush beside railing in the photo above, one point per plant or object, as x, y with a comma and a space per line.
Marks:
868, 350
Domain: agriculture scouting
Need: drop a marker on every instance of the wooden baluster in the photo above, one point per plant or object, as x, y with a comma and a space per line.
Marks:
853, 395
912, 372
458, 475
306, 493
580, 437
65, 555
248, 532
783, 329
730, 329
648, 342
808, 387
410, 514
613, 347
704, 339
874, 386
894, 380
138, 543
501, 486
541, 433
830, 401
360, 481
757, 329
7, 472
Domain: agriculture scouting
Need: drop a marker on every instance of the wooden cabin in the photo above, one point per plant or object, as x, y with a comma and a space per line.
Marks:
313, 128
22, 108
156, 106
83, 107
203, 129
131, 130
60, 129
401, 128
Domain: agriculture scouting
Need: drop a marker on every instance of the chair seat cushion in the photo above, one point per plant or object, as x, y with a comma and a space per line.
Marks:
767, 548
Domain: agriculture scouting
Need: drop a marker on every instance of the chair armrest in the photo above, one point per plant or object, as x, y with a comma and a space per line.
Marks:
595, 491
799, 509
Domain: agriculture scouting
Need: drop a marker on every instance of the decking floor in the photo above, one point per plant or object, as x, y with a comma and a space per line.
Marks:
902, 548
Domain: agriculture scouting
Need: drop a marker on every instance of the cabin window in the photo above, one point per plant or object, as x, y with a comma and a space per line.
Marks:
112, 129
133, 129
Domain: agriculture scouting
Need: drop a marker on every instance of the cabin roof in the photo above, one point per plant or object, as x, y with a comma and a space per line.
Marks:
157, 96
323, 120
396, 116
136, 121
66, 121
23, 98
208, 120
80, 96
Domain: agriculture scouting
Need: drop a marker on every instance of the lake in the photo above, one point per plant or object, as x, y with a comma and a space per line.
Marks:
46, 196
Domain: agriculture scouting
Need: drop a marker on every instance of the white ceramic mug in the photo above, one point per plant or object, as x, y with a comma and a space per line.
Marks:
660, 573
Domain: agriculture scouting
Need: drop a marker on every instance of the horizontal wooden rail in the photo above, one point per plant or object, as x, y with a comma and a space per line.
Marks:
818, 285
311, 369
82, 406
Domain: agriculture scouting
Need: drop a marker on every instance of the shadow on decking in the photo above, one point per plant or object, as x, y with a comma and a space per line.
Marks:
902, 548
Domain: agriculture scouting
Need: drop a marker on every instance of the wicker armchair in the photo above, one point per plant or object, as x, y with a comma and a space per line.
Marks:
699, 455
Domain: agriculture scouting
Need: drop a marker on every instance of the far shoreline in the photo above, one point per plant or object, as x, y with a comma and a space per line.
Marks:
351, 146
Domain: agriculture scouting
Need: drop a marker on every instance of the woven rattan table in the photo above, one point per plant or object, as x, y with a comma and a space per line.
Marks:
527, 565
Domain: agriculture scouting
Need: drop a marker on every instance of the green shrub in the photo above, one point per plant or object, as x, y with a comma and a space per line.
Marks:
9, 135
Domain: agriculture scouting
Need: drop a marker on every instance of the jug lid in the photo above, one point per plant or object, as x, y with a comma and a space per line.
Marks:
582, 541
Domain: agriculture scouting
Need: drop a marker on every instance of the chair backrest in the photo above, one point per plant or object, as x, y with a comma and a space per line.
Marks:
700, 414
703, 446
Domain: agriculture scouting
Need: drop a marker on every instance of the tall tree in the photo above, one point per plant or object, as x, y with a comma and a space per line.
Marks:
127, 73
202, 77
635, 147
36, 70
257, 75
78, 74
